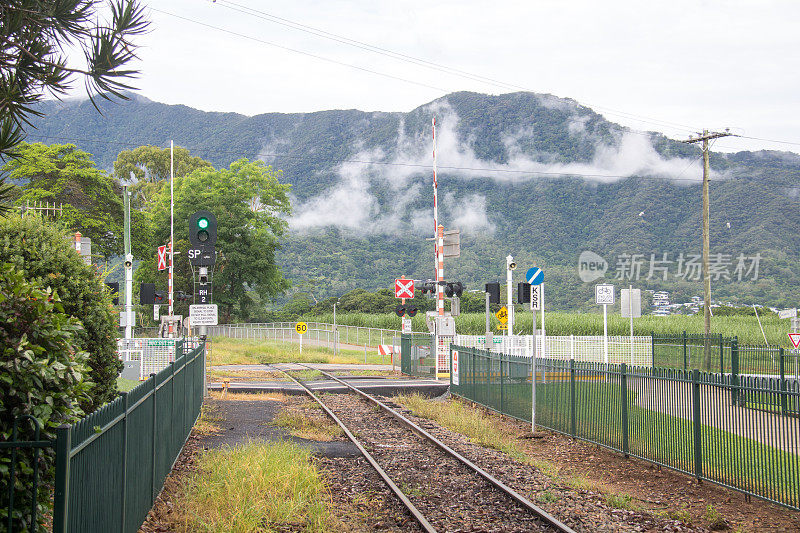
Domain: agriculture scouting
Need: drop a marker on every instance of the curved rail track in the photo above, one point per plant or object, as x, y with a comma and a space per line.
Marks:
498, 498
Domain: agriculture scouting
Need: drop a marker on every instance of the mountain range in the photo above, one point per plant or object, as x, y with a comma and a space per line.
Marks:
541, 178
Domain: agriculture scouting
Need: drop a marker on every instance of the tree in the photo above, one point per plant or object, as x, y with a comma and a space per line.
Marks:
61, 173
150, 165
42, 253
249, 203
5, 196
35, 36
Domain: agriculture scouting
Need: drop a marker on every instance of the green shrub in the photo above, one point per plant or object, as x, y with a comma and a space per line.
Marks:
41, 375
42, 252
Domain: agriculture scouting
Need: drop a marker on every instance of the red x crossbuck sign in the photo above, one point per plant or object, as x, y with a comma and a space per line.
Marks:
404, 288
162, 257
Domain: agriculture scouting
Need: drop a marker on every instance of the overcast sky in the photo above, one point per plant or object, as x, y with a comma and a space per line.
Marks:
679, 66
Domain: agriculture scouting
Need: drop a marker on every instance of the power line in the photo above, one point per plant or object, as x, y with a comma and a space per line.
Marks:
270, 43
419, 61
769, 140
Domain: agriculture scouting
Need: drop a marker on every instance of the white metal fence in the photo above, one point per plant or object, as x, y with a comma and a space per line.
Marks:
151, 355
318, 333
578, 347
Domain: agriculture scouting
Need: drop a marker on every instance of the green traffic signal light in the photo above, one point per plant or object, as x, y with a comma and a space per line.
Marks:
202, 229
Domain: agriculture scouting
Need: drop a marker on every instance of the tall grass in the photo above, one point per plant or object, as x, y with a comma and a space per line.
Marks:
563, 323
227, 351
254, 487
473, 423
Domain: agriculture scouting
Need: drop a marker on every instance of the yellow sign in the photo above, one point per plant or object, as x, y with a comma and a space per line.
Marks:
301, 327
502, 315
502, 326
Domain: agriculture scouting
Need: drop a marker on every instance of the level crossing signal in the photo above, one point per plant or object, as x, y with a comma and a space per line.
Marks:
493, 290
409, 310
451, 288
428, 287
523, 293
148, 295
455, 288
113, 288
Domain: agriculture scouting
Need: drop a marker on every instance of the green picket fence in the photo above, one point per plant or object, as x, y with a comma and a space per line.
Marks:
738, 431
111, 465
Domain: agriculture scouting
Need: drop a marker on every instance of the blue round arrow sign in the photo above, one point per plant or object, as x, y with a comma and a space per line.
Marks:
535, 276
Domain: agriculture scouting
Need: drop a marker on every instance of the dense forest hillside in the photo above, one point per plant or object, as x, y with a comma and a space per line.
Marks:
533, 175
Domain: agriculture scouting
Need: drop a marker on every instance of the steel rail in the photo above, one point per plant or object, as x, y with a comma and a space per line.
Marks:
516, 496
418, 516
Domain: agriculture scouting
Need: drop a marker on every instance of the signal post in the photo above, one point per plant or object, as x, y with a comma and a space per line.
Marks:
202, 257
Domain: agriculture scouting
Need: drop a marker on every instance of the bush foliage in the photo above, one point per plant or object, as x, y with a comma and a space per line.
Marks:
42, 253
41, 376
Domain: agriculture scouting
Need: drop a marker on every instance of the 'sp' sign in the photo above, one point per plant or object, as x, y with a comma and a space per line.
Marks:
301, 328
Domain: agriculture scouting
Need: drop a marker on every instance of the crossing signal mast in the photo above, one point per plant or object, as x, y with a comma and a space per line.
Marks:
445, 244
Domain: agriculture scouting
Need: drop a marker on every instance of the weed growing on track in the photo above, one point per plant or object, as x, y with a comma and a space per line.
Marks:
582, 483
254, 487
318, 428
547, 497
681, 515
459, 418
221, 375
620, 501
715, 519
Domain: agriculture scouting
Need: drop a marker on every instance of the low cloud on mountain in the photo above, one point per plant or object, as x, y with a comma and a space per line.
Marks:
353, 202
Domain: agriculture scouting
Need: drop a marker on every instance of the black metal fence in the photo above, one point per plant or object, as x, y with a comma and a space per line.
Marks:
111, 465
734, 430
725, 355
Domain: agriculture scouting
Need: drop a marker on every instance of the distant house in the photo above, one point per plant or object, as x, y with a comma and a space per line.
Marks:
660, 299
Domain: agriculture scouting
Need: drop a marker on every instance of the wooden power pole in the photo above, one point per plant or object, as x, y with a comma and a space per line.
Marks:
704, 138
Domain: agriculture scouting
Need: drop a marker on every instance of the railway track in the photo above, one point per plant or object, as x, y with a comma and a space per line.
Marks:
442, 490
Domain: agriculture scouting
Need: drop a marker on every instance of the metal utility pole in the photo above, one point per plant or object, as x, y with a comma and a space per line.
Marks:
511, 265
126, 195
704, 138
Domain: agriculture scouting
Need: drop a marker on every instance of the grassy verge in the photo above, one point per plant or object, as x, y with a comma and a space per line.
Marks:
252, 352
563, 323
254, 487
221, 375
209, 420
125, 385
